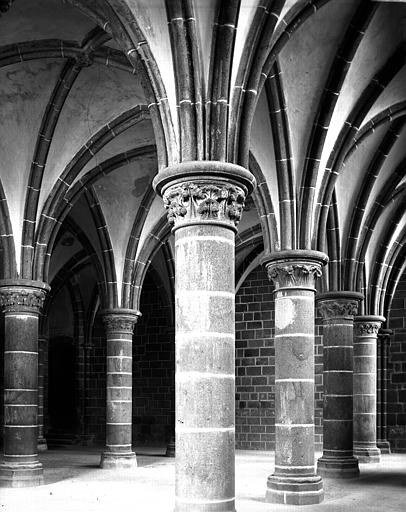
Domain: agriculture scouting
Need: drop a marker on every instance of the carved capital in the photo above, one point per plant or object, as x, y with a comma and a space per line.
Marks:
336, 309
202, 201
368, 325
119, 320
366, 328
200, 192
20, 298
294, 274
338, 304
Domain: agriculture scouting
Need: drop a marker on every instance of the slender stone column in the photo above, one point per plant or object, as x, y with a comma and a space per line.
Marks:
21, 300
365, 340
119, 324
382, 442
337, 310
294, 481
204, 202
42, 348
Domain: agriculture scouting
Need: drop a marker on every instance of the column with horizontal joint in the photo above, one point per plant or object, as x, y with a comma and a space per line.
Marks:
365, 340
119, 325
42, 349
21, 300
337, 310
204, 202
384, 336
294, 273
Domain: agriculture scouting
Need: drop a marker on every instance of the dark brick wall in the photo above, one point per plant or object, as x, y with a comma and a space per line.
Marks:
255, 366
95, 407
153, 368
396, 406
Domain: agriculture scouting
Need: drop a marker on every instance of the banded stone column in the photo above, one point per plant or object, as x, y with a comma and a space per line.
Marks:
21, 300
294, 481
42, 348
384, 336
365, 341
204, 202
337, 310
119, 325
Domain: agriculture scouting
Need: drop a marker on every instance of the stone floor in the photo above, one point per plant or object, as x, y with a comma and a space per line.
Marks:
74, 483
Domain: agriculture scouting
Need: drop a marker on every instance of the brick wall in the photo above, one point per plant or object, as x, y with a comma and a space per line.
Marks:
396, 405
95, 403
153, 369
255, 366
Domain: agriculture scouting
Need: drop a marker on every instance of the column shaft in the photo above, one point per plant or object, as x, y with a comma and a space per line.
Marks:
294, 480
119, 325
205, 380
21, 300
338, 310
204, 202
42, 347
365, 341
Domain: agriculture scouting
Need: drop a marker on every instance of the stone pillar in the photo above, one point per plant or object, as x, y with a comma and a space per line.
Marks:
119, 324
21, 300
337, 310
365, 341
42, 348
382, 442
204, 202
294, 481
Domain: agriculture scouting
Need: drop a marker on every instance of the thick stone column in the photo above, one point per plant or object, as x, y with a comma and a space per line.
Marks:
21, 300
204, 202
365, 340
294, 481
42, 348
119, 324
337, 310
384, 336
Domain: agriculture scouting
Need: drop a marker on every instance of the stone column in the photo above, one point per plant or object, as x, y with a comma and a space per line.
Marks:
21, 300
42, 348
365, 341
383, 355
119, 324
294, 481
337, 310
204, 202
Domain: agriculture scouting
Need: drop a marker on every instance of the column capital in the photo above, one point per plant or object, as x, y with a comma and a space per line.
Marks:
120, 319
295, 268
384, 335
338, 304
201, 192
22, 295
367, 325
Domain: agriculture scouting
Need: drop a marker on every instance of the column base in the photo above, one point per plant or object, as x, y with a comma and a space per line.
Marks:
111, 460
366, 455
42, 445
294, 490
383, 445
21, 474
338, 467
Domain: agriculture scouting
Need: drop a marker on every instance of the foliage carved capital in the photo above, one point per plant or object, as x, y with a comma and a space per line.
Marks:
200, 201
19, 299
364, 328
118, 321
336, 309
294, 274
